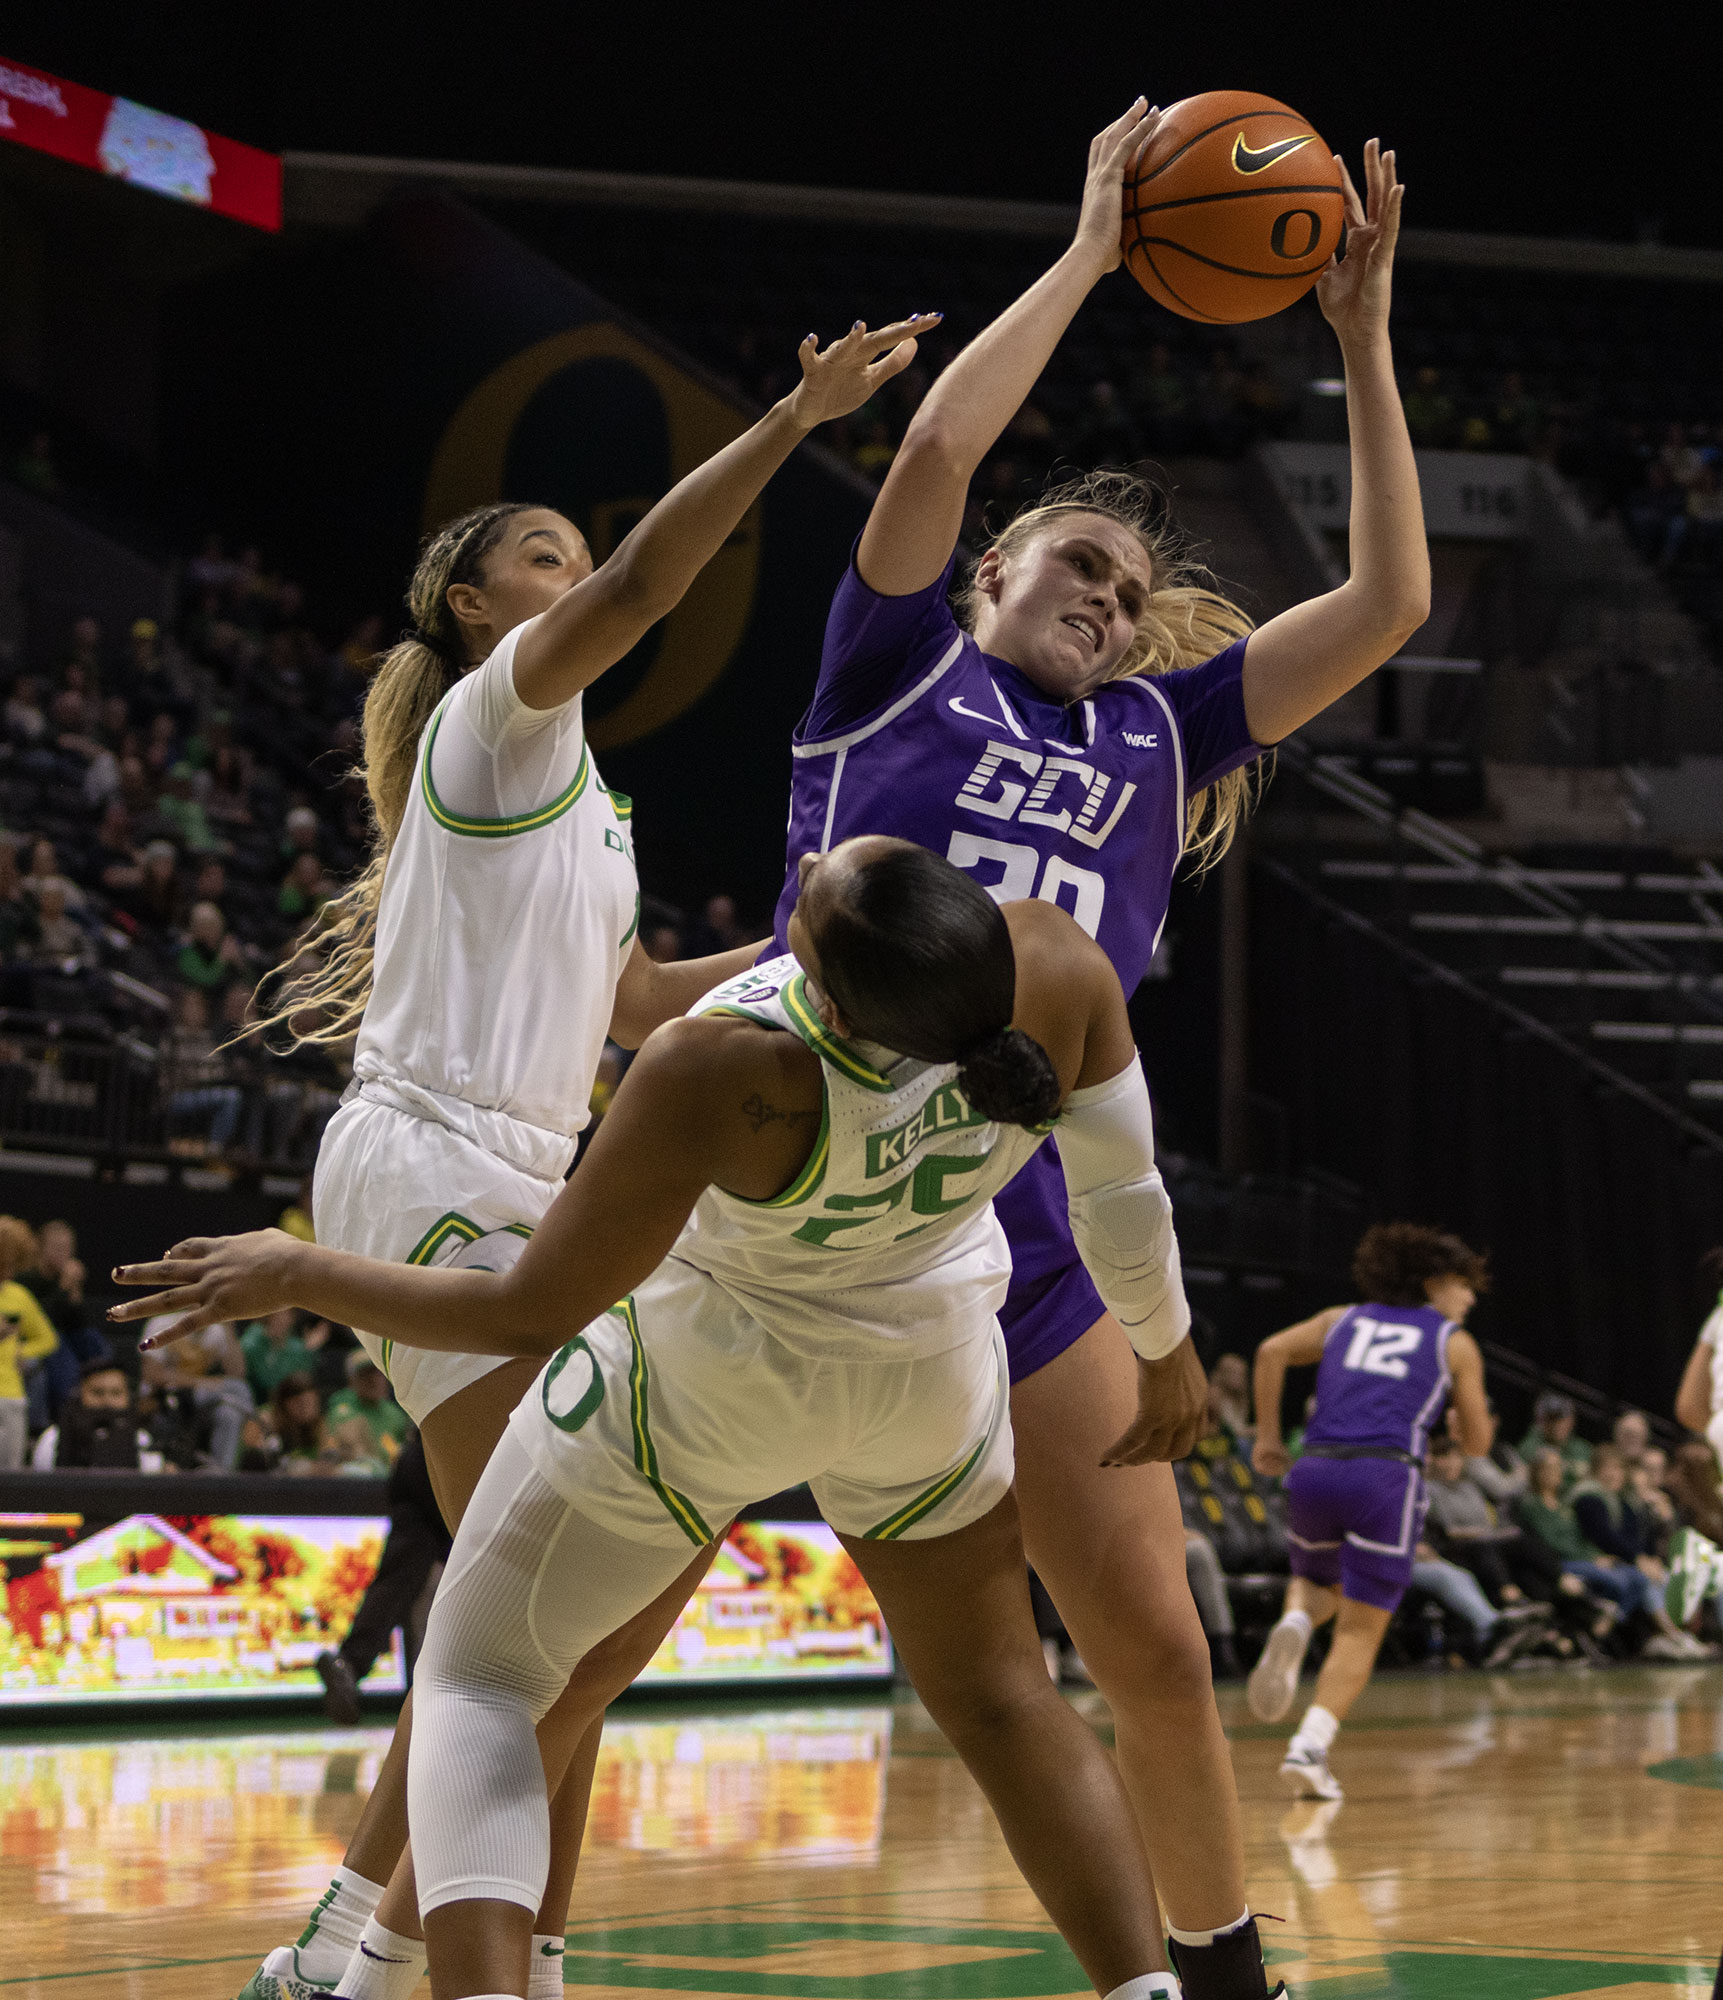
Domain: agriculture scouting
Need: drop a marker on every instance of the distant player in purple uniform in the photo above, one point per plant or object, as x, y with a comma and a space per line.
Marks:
1355, 1498
1087, 720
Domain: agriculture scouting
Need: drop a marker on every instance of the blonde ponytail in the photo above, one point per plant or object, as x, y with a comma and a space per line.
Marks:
409, 682
1184, 622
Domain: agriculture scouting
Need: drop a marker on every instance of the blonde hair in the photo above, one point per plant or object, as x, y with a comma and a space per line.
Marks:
1184, 622
408, 683
18, 1247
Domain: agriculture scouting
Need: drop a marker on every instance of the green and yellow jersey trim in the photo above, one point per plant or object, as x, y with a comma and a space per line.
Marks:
924, 1503
677, 1505
498, 829
846, 1060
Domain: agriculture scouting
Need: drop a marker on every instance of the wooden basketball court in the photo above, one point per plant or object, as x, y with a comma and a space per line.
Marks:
1510, 1838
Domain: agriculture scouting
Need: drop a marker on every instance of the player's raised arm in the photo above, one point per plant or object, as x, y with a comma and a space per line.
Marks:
915, 521
594, 624
1301, 661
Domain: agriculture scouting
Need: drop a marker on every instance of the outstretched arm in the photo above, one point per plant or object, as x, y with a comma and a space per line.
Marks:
1293, 1347
688, 1114
1300, 662
915, 521
595, 624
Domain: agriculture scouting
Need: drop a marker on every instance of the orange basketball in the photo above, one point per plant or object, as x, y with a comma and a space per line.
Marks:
1232, 209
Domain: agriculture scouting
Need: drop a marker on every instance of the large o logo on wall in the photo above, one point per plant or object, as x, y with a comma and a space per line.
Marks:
471, 468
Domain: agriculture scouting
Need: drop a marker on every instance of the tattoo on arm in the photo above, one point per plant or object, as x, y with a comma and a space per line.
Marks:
760, 1114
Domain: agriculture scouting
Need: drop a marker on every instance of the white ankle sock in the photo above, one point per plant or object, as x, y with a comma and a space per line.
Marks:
1317, 1731
384, 1965
1299, 1618
332, 1935
1148, 1986
544, 1976
1208, 1937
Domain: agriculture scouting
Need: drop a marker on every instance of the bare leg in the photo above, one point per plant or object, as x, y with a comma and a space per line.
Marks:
1358, 1632
1109, 1544
958, 1609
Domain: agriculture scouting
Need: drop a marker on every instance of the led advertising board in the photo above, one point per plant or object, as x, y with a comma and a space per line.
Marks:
150, 149
164, 1607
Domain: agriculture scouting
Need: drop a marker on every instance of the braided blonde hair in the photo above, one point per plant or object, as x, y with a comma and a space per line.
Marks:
1184, 622
410, 680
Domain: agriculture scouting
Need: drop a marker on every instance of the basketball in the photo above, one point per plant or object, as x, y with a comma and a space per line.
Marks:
1232, 209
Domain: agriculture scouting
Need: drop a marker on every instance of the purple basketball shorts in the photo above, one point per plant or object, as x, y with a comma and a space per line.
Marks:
1354, 1522
1052, 1302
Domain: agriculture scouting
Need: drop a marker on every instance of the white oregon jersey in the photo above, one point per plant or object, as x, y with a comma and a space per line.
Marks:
885, 1246
499, 945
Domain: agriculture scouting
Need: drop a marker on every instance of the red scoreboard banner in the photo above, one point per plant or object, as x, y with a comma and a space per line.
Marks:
131, 142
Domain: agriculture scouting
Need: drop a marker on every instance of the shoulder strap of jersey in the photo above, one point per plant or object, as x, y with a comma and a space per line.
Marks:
775, 994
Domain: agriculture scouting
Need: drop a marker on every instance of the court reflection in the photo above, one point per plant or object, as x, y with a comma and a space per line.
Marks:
249, 1818
138, 1822
801, 1781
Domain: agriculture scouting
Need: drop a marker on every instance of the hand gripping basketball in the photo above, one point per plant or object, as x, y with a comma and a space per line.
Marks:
1099, 227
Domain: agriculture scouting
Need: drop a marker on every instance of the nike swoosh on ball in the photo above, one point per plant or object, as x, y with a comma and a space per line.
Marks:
1248, 162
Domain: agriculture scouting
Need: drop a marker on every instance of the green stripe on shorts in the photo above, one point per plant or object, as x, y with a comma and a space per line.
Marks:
679, 1507
924, 1503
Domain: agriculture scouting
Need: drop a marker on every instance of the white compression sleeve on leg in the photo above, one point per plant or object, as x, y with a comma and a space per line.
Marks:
531, 1586
1120, 1215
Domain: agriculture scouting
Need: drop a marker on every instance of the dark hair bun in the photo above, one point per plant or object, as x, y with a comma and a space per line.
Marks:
1009, 1077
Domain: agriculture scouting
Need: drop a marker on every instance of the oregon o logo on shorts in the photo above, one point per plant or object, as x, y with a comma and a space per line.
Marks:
573, 1386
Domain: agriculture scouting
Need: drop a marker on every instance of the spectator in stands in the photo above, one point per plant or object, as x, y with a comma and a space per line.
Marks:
1696, 533
112, 859
99, 1427
25, 722
208, 1368
200, 1091
60, 938
719, 928
181, 806
1631, 1433
1610, 1517
279, 1346
56, 1279
1230, 1398
365, 1415
300, 833
26, 1336
155, 900
288, 1434
1500, 1475
211, 957
304, 889
1552, 1428
230, 786
20, 925
1653, 511
1494, 1634
1464, 1528
663, 942
1546, 1514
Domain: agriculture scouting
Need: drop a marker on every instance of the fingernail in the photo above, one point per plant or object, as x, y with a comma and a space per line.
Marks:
860, 323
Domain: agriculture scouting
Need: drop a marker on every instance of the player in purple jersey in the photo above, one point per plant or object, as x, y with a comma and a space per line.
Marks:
1355, 1498
1084, 722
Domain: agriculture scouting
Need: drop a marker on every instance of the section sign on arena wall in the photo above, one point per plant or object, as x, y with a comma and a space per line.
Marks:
151, 149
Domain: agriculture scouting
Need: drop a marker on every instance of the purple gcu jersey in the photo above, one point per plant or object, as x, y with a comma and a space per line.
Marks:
914, 731
1382, 1380
1355, 1500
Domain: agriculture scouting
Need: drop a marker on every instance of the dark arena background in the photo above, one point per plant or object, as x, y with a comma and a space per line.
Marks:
1463, 967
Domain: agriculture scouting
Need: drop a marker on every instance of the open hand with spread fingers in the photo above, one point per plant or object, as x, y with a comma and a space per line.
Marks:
1354, 291
840, 378
210, 1279
1101, 226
